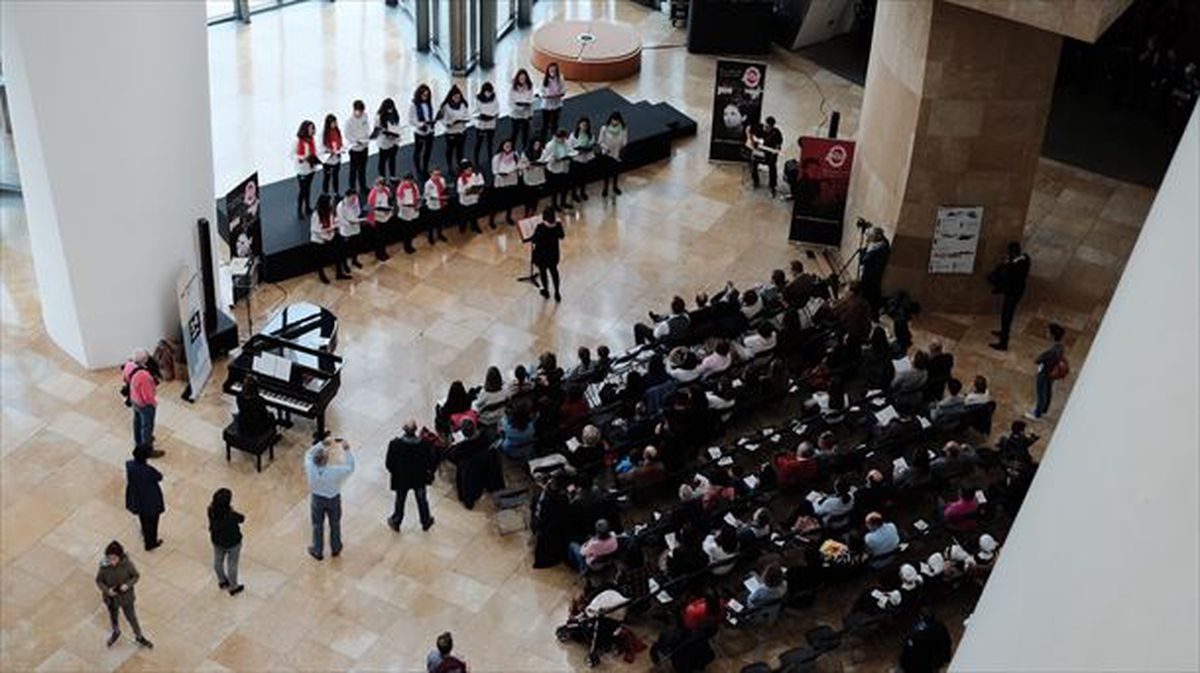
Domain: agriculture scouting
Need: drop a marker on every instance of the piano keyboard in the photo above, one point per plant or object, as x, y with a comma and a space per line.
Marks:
270, 397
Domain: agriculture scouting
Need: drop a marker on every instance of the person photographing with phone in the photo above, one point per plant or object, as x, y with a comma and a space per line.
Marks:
327, 465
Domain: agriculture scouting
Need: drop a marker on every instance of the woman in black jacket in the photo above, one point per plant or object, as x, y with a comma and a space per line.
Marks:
224, 527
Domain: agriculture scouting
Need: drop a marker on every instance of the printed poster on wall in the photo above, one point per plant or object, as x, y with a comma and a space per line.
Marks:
955, 239
819, 203
191, 318
737, 106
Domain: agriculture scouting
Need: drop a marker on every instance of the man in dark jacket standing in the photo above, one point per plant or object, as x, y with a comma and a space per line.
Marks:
143, 495
1009, 279
872, 264
411, 464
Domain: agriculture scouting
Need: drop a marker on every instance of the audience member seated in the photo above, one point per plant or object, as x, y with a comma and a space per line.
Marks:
597, 552
721, 548
723, 397
852, 314
687, 558
585, 370
575, 407
760, 341
959, 514
772, 589
914, 473
985, 557
800, 286
704, 613
874, 494
633, 576
834, 510
457, 402
1015, 445
772, 292
881, 540
799, 468
758, 528
520, 383
717, 361
551, 523
683, 365
656, 372
590, 450
979, 392
647, 472
908, 386
519, 431
490, 401
253, 418
752, 305
955, 461
950, 408
939, 368
666, 329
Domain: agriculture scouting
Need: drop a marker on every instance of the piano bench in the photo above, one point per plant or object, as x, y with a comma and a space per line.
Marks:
256, 444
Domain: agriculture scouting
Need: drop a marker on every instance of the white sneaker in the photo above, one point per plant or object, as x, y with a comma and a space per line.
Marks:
1032, 416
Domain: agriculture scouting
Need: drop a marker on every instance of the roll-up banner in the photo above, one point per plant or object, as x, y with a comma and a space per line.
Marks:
737, 106
819, 203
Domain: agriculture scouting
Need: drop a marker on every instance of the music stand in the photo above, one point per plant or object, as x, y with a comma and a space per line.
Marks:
525, 228
247, 281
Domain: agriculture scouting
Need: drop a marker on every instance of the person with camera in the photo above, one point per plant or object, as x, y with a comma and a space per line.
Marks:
141, 383
872, 262
325, 479
1009, 279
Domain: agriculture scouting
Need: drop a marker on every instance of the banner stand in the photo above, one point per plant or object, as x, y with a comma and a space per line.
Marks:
195, 342
737, 107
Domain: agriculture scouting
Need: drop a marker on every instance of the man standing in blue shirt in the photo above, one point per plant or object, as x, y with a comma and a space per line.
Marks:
325, 484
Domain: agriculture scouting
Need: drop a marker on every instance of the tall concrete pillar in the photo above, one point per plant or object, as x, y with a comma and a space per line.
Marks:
112, 127
954, 111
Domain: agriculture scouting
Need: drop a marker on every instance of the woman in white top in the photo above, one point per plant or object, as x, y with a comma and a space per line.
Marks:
421, 119
324, 233
305, 155
357, 132
387, 125
520, 100
331, 150
469, 187
583, 149
487, 111
552, 93
533, 175
454, 113
436, 199
611, 139
505, 167
557, 157
379, 212
349, 225
408, 209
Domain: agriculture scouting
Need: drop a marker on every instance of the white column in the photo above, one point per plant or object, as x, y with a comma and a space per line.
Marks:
112, 127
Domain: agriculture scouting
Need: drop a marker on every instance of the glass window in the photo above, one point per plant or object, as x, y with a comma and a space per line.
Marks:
219, 9
259, 4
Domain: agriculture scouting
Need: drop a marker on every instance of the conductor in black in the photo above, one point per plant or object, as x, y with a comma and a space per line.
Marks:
546, 252
1009, 279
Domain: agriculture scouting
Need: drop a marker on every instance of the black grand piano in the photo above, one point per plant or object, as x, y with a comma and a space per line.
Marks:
292, 359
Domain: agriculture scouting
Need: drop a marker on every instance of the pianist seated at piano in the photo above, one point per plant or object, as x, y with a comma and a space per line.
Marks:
253, 419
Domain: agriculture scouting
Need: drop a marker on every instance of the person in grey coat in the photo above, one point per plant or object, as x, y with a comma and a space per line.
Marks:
116, 578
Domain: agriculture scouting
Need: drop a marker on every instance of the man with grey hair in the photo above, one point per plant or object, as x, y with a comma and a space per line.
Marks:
325, 479
141, 383
872, 261
410, 464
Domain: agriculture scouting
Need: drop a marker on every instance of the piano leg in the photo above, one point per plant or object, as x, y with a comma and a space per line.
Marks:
321, 425
285, 418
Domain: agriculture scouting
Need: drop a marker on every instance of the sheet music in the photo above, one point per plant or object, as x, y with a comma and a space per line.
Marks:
886, 415
526, 226
752, 582
269, 364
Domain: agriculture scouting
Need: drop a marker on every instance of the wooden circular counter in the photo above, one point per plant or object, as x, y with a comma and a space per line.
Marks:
588, 51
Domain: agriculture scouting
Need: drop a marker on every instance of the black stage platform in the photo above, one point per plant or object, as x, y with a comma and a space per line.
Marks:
287, 251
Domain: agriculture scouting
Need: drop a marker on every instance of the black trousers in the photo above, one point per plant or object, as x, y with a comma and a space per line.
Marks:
303, 200
552, 271
331, 175
483, 138
387, 163
422, 149
149, 527
520, 130
1007, 310
503, 195
559, 186
378, 240
643, 333
549, 123
433, 220
454, 151
611, 168
772, 170
130, 616
358, 170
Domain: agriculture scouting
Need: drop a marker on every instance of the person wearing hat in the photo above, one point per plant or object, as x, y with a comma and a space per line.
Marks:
591, 554
986, 556
910, 579
928, 647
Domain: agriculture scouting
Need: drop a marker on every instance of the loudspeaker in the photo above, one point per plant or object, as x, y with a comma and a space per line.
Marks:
206, 275
834, 120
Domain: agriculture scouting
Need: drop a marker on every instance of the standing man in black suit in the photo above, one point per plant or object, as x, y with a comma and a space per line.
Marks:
143, 494
411, 464
872, 263
1009, 279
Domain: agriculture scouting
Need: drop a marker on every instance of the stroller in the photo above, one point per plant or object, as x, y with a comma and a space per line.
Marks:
599, 624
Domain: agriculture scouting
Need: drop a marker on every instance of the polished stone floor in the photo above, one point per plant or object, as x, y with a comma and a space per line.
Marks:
408, 327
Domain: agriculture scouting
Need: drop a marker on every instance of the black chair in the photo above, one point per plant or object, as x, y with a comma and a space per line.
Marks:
256, 445
757, 667
823, 638
979, 417
798, 660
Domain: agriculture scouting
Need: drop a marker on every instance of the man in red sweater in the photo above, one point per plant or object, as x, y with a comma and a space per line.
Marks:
140, 387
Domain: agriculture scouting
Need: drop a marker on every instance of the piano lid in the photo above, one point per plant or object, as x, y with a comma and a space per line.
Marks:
306, 325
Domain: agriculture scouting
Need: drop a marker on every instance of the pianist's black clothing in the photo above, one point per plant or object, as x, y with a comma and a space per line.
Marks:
253, 417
